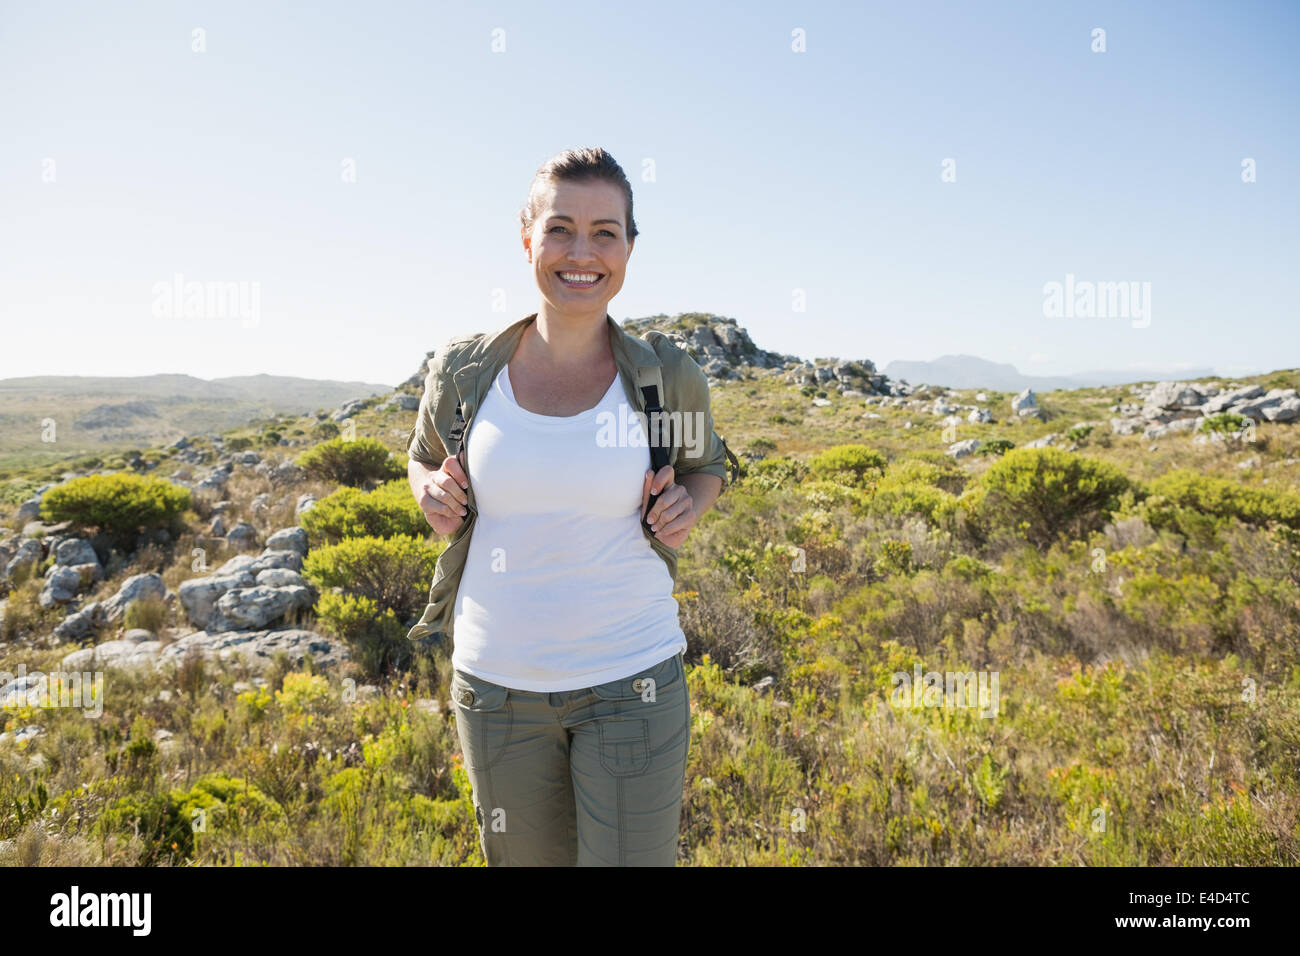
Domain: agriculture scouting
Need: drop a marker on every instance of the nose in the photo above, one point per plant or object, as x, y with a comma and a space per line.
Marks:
580, 251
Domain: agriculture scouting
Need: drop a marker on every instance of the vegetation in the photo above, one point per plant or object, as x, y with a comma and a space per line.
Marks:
119, 505
352, 462
380, 586
1137, 603
387, 511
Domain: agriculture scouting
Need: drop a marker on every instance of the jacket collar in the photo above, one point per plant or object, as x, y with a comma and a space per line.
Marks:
495, 351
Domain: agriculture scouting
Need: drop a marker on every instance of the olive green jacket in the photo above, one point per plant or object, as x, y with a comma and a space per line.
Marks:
463, 372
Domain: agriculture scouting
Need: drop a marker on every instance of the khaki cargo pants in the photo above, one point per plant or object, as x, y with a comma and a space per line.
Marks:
588, 777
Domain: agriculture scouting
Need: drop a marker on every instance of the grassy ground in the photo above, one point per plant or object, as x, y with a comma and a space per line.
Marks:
1147, 663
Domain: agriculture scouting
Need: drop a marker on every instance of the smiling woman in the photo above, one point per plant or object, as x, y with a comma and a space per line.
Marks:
568, 678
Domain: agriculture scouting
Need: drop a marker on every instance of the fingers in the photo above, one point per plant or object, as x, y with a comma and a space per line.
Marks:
459, 480
662, 485
655, 485
443, 498
662, 480
671, 511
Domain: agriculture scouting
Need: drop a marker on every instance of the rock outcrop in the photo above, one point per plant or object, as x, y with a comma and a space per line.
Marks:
1181, 406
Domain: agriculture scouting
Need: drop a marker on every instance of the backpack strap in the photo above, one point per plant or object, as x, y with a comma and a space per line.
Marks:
658, 427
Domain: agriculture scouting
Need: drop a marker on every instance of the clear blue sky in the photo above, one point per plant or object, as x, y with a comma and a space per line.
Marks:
776, 170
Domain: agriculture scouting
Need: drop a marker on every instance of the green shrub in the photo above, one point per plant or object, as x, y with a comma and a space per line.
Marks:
912, 487
1079, 433
773, 473
997, 447
352, 463
854, 465
375, 637
826, 495
1222, 498
1047, 492
169, 824
387, 511
1225, 423
393, 572
120, 505
325, 430
895, 557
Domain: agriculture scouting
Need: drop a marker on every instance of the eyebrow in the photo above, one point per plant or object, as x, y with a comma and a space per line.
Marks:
595, 222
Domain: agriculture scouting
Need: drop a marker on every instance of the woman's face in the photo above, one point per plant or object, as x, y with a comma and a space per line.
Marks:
579, 231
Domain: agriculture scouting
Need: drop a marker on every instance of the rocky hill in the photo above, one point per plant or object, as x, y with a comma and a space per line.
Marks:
725, 352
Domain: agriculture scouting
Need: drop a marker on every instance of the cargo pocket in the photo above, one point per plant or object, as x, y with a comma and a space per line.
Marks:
624, 745
484, 719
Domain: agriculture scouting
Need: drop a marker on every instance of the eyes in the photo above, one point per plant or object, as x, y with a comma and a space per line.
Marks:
605, 231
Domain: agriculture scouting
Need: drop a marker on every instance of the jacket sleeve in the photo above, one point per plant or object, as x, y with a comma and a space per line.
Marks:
423, 443
701, 448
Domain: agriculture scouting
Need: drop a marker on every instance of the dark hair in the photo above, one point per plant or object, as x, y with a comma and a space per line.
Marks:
578, 165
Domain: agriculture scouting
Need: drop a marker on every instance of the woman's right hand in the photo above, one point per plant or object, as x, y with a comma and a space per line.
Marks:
443, 498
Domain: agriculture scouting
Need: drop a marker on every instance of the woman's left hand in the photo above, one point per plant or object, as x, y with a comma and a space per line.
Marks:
673, 515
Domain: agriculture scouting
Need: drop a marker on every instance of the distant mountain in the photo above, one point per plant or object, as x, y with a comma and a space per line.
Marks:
287, 394
969, 371
100, 413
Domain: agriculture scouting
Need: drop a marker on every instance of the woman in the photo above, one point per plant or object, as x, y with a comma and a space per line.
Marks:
568, 679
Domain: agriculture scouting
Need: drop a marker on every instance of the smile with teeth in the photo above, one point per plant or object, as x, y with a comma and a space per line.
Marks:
579, 279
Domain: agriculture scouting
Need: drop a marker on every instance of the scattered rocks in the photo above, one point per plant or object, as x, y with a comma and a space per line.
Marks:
72, 551
285, 473
1167, 406
1026, 403
242, 536
20, 691
401, 401
256, 607
288, 539
61, 586
29, 552
23, 735
81, 624
119, 654
138, 587
1177, 425
348, 409
199, 596
280, 577
258, 648
963, 449
216, 480
240, 582
29, 510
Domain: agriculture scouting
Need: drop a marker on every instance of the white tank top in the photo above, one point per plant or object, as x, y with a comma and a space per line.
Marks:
561, 589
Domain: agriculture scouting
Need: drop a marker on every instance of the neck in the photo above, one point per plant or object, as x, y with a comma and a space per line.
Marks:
568, 339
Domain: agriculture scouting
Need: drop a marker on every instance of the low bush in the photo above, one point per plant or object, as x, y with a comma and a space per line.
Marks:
356, 462
386, 512
119, 505
1044, 493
